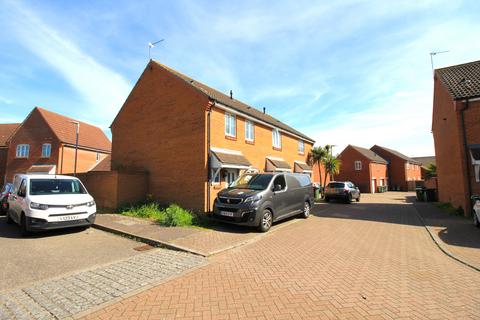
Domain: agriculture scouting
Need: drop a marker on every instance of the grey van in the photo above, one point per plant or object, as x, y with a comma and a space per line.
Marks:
259, 199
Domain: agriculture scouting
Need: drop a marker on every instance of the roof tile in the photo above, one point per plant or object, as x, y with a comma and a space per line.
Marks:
462, 81
6, 130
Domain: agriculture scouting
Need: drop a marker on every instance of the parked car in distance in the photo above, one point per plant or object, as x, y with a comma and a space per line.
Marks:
476, 210
44, 202
342, 190
6, 190
259, 199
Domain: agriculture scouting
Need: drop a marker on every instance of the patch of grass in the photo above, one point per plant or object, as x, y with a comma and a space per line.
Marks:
170, 216
450, 209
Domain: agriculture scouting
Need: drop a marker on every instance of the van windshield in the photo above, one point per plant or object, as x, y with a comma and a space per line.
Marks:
252, 181
55, 186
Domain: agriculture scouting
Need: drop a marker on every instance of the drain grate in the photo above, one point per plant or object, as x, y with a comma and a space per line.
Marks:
143, 248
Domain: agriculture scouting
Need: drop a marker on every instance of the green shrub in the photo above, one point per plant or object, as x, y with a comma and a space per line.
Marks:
173, 215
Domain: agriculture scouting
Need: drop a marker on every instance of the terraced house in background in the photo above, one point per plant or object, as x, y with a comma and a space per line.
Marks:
193, 140
6, 130
46, 141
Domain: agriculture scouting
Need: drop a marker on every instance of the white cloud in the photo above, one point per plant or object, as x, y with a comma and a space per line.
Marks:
5, 100
102, 89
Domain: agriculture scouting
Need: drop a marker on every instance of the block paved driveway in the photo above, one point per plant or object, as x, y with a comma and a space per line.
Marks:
367, 260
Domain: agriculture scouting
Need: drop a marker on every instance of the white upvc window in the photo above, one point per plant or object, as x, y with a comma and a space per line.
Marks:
358, 165
230, 125
276, 138
249, 131
301, 147
23, 150
46, 150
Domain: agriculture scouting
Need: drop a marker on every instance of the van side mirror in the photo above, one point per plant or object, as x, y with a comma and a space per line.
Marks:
277, 187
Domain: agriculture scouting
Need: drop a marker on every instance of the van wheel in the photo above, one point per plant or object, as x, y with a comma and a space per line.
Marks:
306, 210
265, 221
9, 219
23, 226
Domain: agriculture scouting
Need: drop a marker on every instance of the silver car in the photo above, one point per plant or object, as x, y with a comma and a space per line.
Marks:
342, 190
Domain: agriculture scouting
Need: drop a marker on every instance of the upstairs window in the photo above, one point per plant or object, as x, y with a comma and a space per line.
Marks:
301, 147
358, 165
277, 139
249, 135
230, 125
46, 150
23, 151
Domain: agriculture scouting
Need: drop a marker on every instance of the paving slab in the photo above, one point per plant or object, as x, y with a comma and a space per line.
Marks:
205, 241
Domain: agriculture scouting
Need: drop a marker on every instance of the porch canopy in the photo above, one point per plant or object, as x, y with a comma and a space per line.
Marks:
42, 169
227, 159
302, 167
277, 164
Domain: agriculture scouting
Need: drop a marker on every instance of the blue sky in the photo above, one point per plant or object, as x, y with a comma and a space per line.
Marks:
342, 72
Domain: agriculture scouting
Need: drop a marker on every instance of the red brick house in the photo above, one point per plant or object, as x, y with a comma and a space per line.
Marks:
456, 133
403, 171
193, 140
425, 164
364, 168
6, 130
45, 143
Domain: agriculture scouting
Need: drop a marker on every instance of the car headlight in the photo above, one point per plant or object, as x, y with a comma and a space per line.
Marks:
38, 206
90, 204
253, 199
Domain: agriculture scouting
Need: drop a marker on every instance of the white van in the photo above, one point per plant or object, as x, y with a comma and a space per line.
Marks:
44, 202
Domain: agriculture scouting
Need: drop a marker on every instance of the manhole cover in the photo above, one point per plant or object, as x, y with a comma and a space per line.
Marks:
144, 248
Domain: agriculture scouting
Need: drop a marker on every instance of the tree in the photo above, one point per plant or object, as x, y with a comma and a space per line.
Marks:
431, 170
316, 156
332, 166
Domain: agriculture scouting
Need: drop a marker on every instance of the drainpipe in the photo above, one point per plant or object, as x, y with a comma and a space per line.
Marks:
209, 169
465, 147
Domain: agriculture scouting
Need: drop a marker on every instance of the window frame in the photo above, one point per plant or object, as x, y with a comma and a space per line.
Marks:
49, 150
301, 143
230, 124
276, 131
249, 124
358, 165
19, 151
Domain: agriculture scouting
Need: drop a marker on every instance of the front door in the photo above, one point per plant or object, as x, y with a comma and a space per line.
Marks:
230, 176
374, 185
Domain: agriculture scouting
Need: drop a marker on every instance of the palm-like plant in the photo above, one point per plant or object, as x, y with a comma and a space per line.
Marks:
316, 156
431, 170
332, 166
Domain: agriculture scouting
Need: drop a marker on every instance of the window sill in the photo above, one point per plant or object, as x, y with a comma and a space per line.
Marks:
250, 142
231, 138
20, 158
277, 149
301, 153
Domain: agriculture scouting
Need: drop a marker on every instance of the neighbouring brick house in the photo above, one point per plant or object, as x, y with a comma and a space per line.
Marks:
425, 164
45, 143
403, 171
456, 133
6, 130
364, 168
193, 139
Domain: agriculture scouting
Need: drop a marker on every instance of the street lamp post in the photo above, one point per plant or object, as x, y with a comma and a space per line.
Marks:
77, 132
331, 154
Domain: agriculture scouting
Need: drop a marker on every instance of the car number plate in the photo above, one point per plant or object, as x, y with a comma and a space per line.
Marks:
226, 213
68, 218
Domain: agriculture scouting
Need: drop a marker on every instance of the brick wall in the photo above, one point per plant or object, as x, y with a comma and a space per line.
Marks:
448, 151
379, 173
161, 130
34, 132
257, 151
3, 164
86, 159
112, 189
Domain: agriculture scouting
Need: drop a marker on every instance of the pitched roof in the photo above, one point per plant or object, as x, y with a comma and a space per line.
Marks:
425, 161
89, 136
233, 103
103, 165
369, 154
302, 166
462, 81
280, 164
6, 130
398, 154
